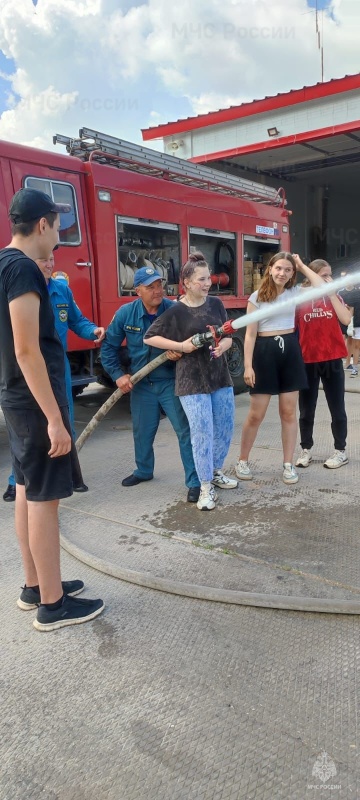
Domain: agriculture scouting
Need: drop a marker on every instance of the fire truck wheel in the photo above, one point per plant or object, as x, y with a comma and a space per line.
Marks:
235, 357
106, 381
76, 390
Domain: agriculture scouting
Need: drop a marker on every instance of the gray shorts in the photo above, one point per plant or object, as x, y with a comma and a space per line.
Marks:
44, 478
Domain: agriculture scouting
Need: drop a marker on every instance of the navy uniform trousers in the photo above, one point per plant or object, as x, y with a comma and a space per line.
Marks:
146, 400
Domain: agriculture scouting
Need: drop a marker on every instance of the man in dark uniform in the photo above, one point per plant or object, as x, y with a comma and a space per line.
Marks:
34, 403
154, 393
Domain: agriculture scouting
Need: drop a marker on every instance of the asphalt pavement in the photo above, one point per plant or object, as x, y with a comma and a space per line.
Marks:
214, 683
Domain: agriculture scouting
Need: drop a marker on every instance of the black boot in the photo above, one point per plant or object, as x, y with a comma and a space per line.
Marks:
10, 494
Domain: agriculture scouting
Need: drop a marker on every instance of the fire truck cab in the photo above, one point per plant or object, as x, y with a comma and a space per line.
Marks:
132, 206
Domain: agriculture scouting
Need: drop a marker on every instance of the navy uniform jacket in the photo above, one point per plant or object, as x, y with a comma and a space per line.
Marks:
131, 322
67, 314
68, 317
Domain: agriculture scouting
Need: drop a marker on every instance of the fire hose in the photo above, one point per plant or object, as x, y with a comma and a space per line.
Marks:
212, 337
215, 334
110, 402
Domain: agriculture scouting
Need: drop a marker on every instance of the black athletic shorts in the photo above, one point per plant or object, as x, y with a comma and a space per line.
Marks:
278, 365
44, 478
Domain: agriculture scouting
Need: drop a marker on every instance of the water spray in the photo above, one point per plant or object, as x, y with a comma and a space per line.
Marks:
301, 298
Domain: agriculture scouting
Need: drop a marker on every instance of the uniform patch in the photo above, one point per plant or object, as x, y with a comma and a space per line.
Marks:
63, 315
61, 276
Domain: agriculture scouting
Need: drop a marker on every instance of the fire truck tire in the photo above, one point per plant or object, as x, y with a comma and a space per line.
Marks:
235, 357
76, 390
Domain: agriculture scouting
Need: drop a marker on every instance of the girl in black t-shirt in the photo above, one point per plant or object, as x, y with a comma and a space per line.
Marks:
203, 383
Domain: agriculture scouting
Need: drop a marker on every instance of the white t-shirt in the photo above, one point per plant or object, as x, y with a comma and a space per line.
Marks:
284, 319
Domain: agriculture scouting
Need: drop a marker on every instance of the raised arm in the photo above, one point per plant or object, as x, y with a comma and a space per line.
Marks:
342, 311
312, 277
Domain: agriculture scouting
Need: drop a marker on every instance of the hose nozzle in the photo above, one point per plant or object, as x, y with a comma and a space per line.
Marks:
200, 339
226, 329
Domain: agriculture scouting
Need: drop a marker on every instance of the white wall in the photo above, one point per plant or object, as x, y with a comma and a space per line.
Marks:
301, 118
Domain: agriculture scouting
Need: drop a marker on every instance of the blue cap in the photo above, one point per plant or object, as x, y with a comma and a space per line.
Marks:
145, 276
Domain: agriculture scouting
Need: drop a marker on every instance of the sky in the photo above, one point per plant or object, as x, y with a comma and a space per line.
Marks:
118, 66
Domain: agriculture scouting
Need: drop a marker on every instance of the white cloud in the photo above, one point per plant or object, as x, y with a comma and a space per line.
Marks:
74, 66
249, 49
21, 122
211, 101
114, 65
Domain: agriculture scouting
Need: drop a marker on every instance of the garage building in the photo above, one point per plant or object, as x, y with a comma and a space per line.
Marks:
306, 140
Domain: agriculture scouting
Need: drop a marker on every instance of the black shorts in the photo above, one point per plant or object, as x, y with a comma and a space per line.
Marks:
44, 478
278, 365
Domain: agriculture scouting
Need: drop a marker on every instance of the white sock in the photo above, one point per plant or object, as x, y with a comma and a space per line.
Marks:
205, 486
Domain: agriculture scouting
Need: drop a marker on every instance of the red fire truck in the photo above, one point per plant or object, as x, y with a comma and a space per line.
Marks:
132, 206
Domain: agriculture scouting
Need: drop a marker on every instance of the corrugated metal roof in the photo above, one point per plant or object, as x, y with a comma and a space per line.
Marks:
269, 102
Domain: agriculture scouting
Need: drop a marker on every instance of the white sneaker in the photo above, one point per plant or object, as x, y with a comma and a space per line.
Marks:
304, 458
207, 498
339, 459
243, 471
222, 481
353, 374
289, 474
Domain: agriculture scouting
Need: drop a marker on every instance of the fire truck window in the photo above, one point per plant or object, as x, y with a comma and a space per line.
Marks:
219, 249
69, 223
144, 243
61, 193
40, 185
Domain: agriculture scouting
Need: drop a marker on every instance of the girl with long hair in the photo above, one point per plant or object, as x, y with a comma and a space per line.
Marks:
323, 348
273, 361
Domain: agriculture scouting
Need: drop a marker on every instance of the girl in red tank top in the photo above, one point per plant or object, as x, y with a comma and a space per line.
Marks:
323, 348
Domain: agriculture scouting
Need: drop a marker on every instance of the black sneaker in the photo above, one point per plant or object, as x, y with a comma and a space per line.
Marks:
193, 494
30, 598
71, 612
10, 494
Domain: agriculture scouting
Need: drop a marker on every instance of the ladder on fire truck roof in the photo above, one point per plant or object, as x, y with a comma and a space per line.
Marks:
104, 149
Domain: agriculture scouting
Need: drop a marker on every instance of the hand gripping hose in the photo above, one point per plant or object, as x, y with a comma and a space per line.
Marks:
110, 402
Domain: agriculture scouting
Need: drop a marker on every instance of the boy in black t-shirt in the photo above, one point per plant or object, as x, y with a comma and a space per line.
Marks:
33, 400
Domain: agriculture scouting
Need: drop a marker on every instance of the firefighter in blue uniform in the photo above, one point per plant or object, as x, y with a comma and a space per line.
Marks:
67, 317
156, 391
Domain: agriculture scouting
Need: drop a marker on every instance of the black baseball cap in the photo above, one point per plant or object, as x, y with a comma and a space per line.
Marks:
29, 205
